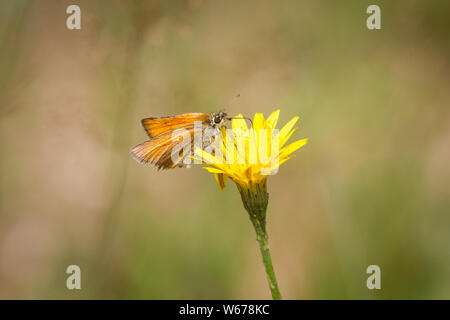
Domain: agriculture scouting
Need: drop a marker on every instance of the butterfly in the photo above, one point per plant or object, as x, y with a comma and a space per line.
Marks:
174, 135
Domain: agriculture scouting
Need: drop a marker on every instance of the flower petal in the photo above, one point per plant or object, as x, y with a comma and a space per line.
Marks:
206, 157
285, 159
291, 148
258, 121
221, 180
286, 138
213, 170
287, 127
272, 120
238, 122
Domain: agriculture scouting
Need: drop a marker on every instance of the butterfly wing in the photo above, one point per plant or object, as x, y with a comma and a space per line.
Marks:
167, 133
155, 126
158, 151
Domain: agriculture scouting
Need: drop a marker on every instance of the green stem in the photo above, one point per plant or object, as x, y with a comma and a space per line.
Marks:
267, 260
255, 199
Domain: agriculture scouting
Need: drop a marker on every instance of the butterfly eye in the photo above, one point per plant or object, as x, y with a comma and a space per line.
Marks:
216, 119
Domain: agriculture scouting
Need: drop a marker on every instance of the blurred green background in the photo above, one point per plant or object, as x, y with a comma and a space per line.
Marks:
371, 186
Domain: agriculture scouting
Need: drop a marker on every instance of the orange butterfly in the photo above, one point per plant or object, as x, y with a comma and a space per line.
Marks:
168, 133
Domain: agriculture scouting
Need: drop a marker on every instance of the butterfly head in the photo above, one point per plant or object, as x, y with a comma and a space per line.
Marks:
218, 118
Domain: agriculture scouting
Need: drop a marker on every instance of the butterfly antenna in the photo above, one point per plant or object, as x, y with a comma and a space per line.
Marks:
232, 100
229, 103
251, 122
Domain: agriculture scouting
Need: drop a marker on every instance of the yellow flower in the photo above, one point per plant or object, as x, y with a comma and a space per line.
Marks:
251, 165
248, 156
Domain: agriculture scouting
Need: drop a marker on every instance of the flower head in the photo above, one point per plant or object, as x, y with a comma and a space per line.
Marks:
251, 154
